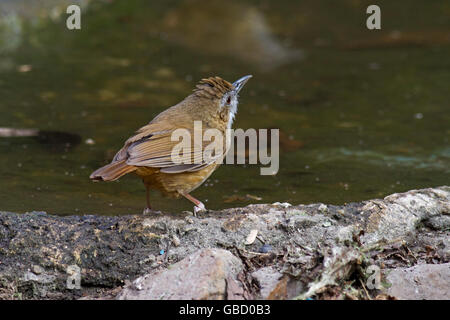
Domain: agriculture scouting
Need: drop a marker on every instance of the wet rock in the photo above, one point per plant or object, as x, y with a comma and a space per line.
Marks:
438, 222
399, 214
204, 275
268, 279
426, 281
37, 269
287, 288
266, 248
315, 249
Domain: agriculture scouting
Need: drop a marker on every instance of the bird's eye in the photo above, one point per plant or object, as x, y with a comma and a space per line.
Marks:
228, 100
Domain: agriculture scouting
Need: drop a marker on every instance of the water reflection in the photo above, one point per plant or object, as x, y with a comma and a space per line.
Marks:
55, 141
364, 116
438, 160
14, 14
234, 29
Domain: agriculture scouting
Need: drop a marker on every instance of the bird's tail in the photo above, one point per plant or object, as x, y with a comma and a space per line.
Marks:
112, 171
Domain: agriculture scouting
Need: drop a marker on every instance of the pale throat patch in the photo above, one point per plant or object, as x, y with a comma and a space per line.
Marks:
233, 111
233, 106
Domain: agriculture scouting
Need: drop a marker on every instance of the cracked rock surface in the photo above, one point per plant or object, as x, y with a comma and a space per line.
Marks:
313, 251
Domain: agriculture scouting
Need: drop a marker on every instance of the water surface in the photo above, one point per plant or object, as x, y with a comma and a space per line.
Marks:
363, 113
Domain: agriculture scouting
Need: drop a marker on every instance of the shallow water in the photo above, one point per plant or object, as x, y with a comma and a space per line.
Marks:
363, 113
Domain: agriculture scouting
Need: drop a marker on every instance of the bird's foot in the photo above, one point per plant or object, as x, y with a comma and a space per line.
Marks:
200, 207
147, 211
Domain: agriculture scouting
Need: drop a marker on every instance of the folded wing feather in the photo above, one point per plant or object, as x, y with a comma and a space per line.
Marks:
151, 147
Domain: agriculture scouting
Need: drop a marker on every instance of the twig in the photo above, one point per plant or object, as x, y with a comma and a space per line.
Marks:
365, 290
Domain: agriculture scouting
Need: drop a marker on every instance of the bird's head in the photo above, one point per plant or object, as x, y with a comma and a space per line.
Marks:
223, 95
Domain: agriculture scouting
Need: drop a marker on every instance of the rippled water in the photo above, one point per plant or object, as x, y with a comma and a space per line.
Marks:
363, 113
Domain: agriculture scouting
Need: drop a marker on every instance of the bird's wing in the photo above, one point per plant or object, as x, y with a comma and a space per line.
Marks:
153, 147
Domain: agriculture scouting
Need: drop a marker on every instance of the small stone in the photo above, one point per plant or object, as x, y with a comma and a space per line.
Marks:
265, 248
89, 141
323, 207
24, 68
425, 281
148, 223
138, 283
327, 224
208, 274
418, 116
345, 234
176, 241
267, 278
37, 269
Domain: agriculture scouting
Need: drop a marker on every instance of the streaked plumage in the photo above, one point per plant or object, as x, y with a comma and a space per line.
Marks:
148, 152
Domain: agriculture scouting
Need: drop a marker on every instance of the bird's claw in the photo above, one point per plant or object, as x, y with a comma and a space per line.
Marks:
199, 208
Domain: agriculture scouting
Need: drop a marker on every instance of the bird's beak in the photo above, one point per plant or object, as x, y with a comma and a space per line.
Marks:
239, 84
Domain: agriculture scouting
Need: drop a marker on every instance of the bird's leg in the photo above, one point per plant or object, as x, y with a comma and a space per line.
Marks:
147, 196
199, 206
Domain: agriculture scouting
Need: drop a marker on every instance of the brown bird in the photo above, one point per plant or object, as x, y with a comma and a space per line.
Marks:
149, 153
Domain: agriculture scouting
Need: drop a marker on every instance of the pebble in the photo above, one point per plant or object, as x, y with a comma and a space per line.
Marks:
327, 224
24, 68
90, 141
176, 241
265, 248
37, 269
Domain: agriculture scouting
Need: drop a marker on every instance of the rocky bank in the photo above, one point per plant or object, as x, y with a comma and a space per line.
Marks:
392, 248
